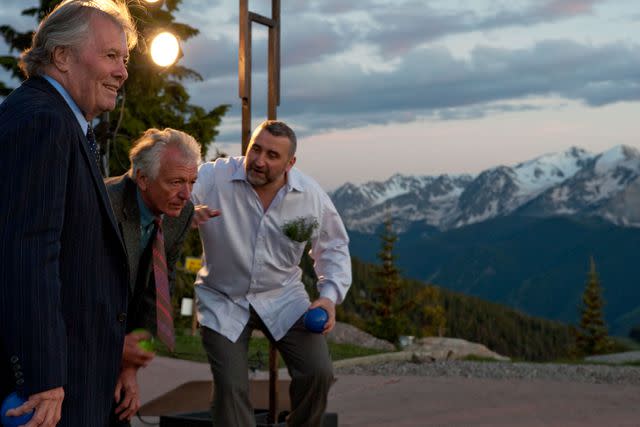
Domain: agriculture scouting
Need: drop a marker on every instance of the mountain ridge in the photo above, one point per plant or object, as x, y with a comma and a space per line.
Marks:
517, 235
571, 182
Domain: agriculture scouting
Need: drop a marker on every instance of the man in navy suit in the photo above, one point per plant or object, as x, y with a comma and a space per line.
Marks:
63, 264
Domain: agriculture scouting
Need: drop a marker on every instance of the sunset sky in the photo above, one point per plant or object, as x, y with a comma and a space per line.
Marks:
377, 87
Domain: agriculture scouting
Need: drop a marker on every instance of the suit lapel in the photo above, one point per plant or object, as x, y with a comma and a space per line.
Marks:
131, 229
42, 84
99, 184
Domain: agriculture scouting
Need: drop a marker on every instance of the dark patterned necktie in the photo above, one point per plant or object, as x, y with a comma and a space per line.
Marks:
164, 317
93, 145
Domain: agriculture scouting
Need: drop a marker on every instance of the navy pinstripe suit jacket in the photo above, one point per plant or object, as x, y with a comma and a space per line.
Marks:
63, 265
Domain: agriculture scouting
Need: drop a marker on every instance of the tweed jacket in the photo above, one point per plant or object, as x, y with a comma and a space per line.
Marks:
122, 192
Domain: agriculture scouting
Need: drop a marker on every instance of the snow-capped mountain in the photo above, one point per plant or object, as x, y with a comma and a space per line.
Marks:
573, 182
425, 198
606, 186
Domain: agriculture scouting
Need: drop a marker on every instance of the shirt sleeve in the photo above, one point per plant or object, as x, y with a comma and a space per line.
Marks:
203, 182
330, 251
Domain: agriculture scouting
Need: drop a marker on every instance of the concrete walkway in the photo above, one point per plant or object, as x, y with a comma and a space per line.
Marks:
376, 401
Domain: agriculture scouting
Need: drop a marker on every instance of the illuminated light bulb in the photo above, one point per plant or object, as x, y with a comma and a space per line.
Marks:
165, 49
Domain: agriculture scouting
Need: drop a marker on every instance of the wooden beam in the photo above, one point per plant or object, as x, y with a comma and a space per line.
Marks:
274, 62
244, 51
244, 72
254, 17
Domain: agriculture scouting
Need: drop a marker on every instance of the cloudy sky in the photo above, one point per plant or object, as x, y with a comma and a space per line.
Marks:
377, 87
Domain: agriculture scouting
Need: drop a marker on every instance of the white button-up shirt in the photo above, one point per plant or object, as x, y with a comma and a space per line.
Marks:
250, 261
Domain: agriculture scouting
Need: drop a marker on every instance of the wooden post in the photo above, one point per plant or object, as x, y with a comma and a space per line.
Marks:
274, 61
244, 92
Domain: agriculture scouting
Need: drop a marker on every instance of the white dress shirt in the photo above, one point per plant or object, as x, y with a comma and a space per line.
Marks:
250, 261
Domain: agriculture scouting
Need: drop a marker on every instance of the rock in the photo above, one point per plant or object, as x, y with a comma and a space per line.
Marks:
421, 358
343, 333
440, 348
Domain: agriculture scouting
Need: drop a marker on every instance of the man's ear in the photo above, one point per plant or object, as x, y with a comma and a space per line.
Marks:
142, 180
292, 161
61, 58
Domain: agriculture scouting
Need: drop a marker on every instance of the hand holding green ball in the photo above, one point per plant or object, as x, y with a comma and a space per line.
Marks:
145, 344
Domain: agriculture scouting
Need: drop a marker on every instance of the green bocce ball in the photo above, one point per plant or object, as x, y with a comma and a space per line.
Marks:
146, 345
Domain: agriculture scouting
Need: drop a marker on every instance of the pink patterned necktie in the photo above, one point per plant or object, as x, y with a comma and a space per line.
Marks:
164, 319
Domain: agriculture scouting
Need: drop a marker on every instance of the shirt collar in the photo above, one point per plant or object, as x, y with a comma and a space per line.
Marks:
82, 121
146, 216
294, 180
240, 174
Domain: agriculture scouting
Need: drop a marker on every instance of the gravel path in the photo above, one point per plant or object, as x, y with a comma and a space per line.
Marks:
593, 374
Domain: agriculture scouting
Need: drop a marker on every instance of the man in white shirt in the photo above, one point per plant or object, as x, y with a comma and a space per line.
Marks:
250, 277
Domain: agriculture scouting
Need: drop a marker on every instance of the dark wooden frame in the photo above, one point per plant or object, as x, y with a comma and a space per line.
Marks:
247, 18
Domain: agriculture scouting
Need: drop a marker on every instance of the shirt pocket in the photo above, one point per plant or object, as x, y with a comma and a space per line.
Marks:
289, 252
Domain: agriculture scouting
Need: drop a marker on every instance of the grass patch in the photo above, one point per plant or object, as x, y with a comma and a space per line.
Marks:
190, 348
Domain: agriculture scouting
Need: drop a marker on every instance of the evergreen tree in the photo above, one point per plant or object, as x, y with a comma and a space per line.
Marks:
388, 305
151, 96
591, 335
432, 319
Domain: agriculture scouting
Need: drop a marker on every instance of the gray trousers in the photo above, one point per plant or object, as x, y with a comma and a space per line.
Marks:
307, 358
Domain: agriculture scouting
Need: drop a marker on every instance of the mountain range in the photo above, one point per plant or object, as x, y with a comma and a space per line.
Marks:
519, 235
573, 182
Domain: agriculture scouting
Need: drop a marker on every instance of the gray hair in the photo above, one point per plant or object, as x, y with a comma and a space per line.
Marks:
277, 128
68, 25
146, 154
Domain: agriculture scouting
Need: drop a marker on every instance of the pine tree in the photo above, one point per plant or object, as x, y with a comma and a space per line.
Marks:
591, 335
388, 305
432, 319
151, 97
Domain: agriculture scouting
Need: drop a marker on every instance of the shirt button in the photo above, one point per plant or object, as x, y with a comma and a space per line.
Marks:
14, 359
18, 375
122, 317
16, 367
20, 381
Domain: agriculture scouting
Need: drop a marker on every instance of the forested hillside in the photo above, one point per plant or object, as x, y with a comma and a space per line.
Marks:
500, 328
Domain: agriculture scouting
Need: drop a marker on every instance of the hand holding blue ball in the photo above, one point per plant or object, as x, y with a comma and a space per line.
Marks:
316, 319
13, 401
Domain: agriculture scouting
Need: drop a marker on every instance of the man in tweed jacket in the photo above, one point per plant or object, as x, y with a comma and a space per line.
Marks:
163, 170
